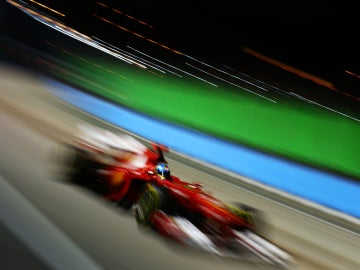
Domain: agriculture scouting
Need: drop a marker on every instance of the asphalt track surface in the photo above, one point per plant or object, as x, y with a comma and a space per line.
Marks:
47, 223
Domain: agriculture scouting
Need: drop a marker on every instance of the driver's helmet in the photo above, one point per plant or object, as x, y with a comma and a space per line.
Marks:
162, 170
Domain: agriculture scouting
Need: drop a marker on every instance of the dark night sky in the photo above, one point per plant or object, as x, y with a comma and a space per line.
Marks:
314, 36
320, 37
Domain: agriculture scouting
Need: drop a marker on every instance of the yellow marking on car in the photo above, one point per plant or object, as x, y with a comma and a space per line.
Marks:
117, 178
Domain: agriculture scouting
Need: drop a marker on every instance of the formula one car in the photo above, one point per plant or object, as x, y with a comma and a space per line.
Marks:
137, 177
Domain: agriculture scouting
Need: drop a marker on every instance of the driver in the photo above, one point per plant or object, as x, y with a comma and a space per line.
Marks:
163, 171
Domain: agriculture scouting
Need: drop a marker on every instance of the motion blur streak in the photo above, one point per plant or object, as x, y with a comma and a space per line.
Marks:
297, 71
39, 233
138, 35
352, 74
74, 34
48, 8
229, 74
88, 61
157, 60
127, 15
131, 56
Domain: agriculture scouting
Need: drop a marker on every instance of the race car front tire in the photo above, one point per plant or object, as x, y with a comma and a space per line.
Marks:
150, 201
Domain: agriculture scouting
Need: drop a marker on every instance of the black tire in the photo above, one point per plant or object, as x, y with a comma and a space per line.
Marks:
150, 201
129, 200
82, 170
257, 216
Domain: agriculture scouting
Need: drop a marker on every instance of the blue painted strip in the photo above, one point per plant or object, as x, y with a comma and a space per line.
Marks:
326, 189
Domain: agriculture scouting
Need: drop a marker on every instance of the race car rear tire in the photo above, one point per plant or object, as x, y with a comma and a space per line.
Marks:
77, 165
257, 216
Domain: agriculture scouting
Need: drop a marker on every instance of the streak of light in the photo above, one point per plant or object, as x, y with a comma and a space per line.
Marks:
330, 109
201, 79
136, 34
227, 73
141, 60
301, 97
352, 73
46, 20
289, 68
232, 83
48, 8
164, 63
325, 107
154, 73
72, 33
53, 24
124, 14
178, 69
87, 61
248, 90
297, 72
147, 61
254, 79
92, 44
210, 74
86, 79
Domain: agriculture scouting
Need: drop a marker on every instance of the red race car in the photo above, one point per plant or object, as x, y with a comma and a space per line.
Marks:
138, 178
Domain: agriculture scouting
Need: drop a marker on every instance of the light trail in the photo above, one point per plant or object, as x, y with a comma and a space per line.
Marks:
224, 72
210, 74
151, 57
117, 50
352, 74
179, 69
152, 65
93, 44
136, 34
248, 90
125, 14
230, 82
73, 33
282, 91
323, 106
48, 8
85, 60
